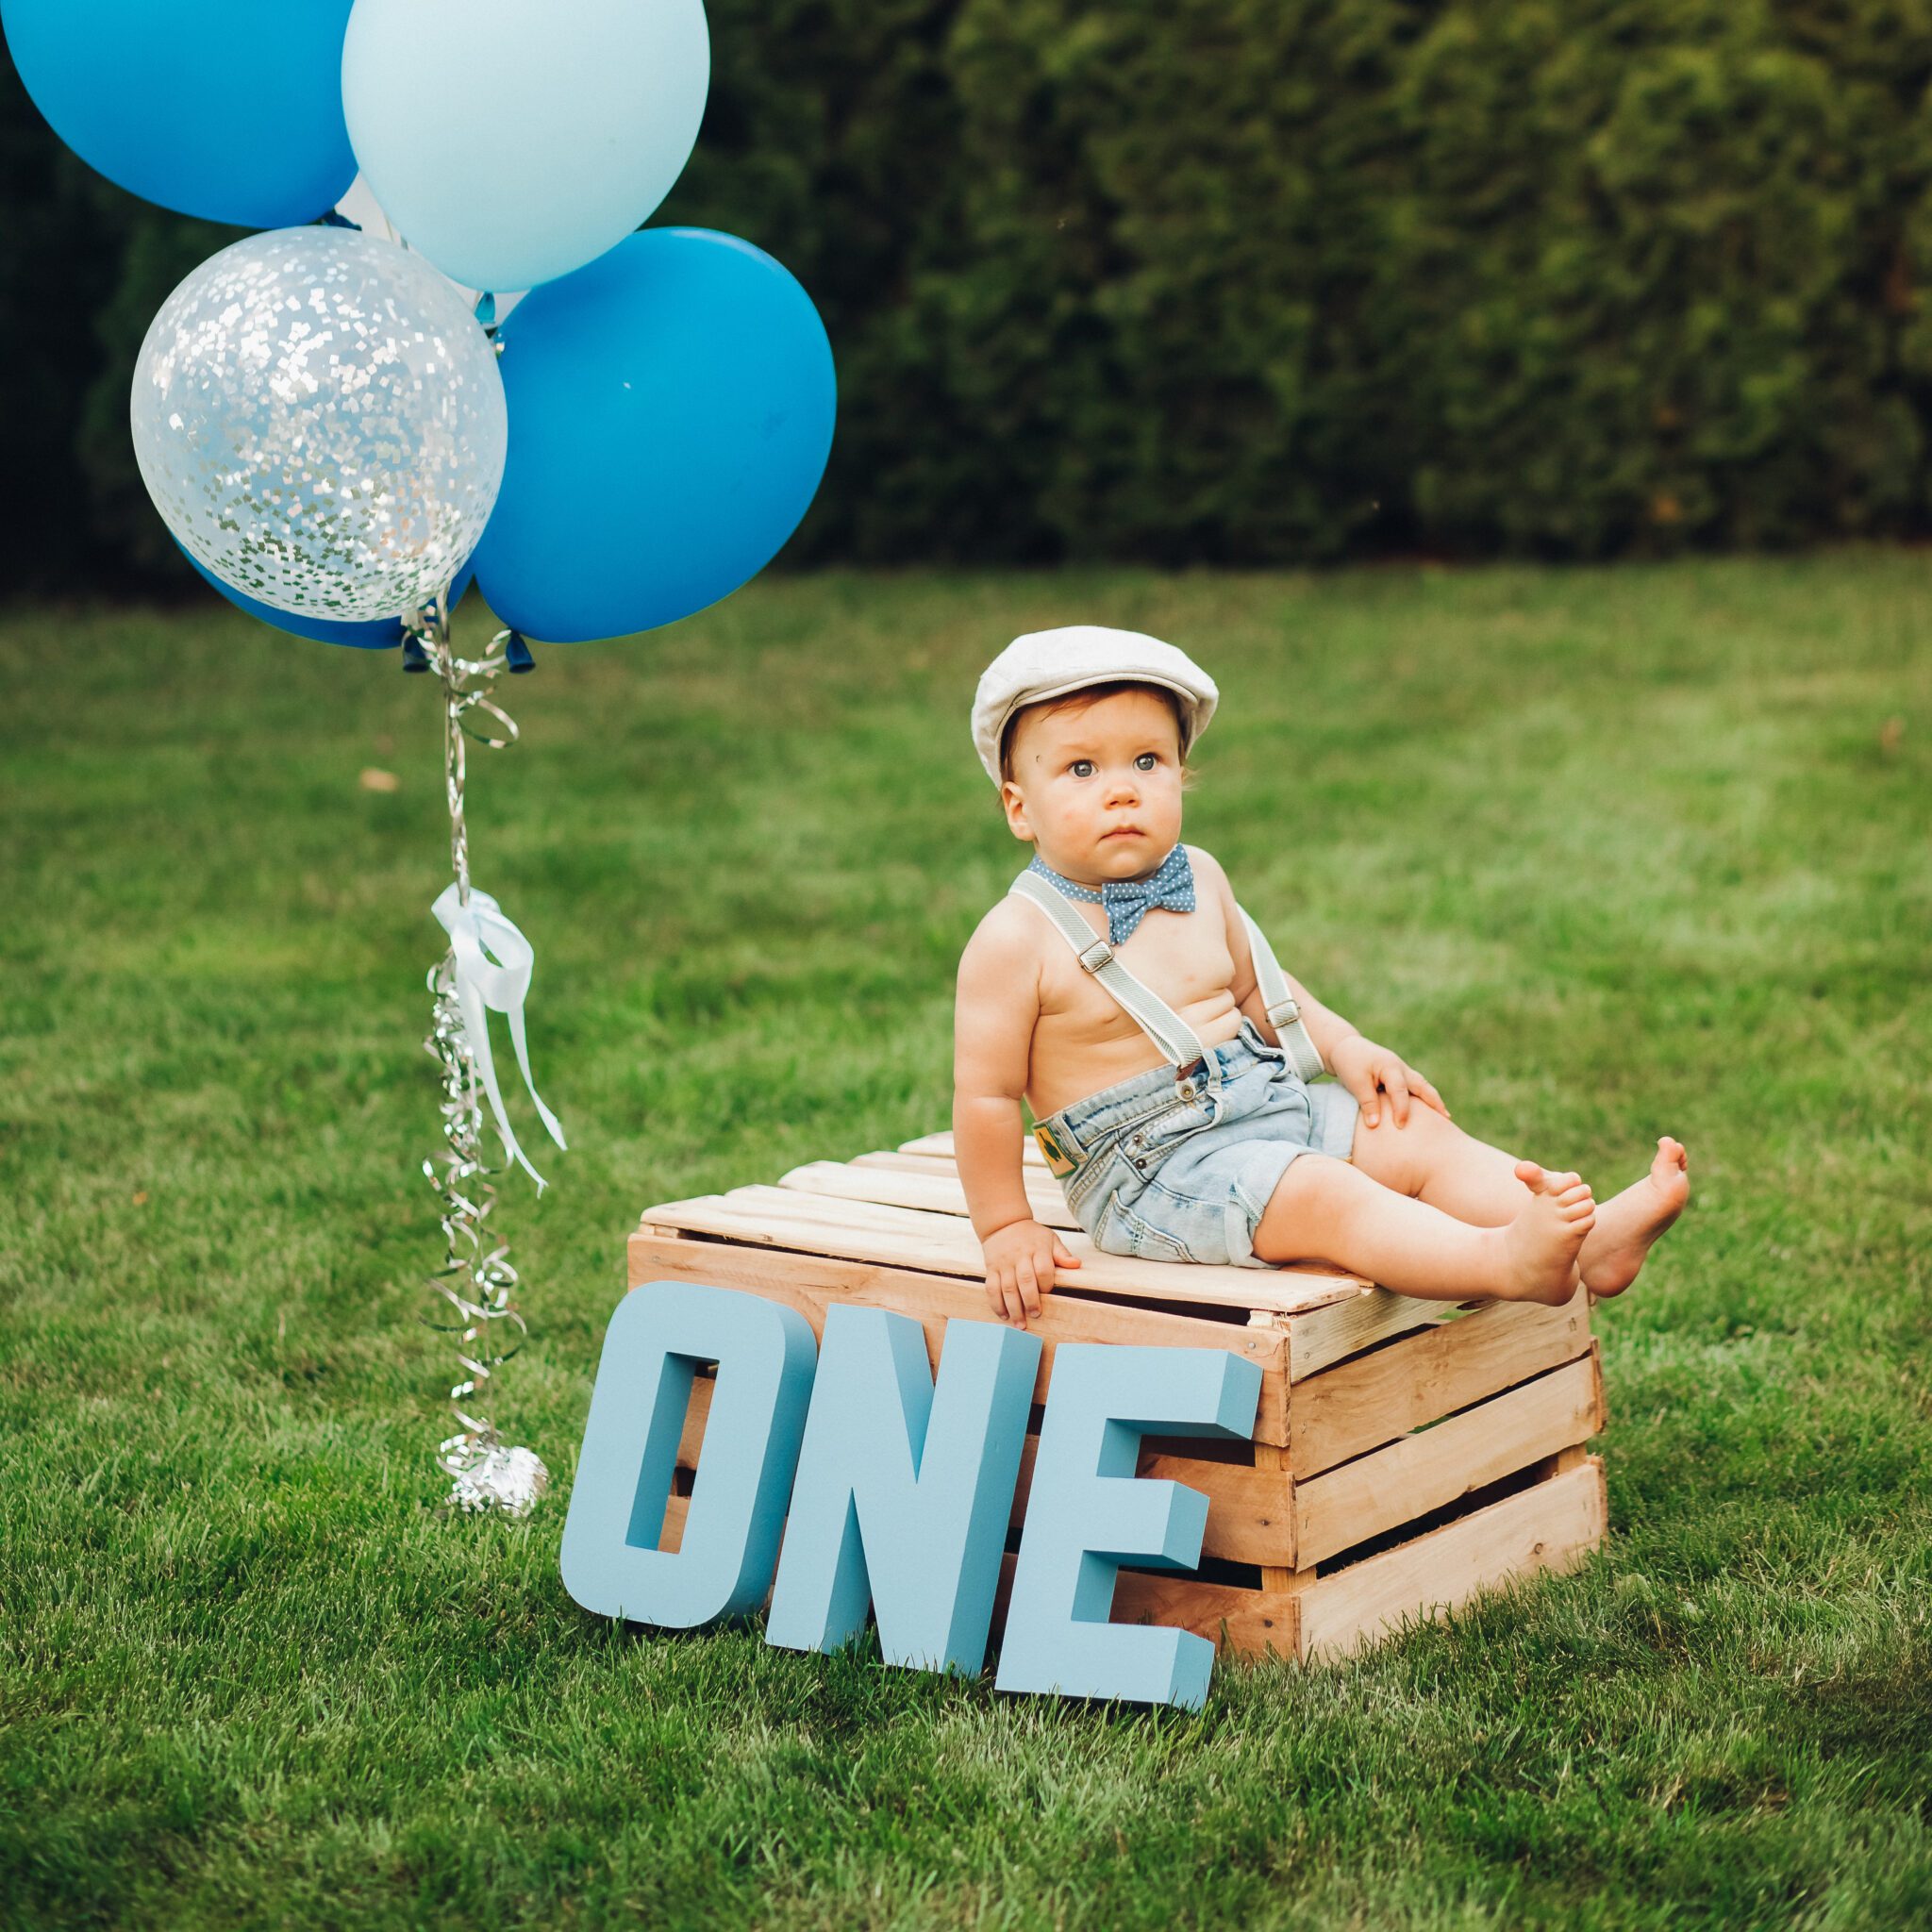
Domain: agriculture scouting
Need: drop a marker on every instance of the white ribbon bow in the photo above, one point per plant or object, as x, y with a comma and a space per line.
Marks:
485, 986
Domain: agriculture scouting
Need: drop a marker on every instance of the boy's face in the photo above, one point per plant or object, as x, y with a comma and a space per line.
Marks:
1097, 788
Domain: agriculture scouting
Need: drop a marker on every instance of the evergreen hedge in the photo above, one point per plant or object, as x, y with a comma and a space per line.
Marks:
1247, 280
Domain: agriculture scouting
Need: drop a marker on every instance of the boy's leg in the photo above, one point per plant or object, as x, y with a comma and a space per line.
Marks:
1432, 1159
1330, 1210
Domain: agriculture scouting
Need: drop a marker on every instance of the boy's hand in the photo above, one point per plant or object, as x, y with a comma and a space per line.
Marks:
1377, 1077
1020, 1260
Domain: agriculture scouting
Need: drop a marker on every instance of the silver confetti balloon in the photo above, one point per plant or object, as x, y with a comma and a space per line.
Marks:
321, 422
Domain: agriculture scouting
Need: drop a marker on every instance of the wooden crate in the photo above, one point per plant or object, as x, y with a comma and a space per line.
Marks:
1406, 1454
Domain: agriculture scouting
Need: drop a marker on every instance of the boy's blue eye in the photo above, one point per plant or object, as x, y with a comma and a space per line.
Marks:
1146, 762
1083, 768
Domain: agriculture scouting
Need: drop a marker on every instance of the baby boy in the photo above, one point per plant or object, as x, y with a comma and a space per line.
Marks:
1174, 1071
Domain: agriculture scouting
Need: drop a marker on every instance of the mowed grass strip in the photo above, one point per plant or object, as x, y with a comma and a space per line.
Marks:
1608, 854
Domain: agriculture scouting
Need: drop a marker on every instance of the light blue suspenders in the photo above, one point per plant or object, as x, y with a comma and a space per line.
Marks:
1177, 1042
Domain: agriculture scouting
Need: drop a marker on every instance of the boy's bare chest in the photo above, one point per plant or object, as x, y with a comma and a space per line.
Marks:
1183, 957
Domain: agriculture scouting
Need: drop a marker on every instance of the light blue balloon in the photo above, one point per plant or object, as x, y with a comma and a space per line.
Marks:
379, 634
660, 1334
230, 109
904, 1488
671, 412
512, 142
1087, 1514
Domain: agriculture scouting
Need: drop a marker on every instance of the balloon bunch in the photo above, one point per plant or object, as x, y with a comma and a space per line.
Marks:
452, 355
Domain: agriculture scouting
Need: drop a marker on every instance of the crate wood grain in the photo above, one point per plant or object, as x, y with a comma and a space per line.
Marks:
810, 1283
1377, 1411
1553, 1525
832, 1208
945, 1243
1388, 1391
1266, 1517
1423, 1472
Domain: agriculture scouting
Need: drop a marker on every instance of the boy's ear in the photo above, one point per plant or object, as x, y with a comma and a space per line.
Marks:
1014, 803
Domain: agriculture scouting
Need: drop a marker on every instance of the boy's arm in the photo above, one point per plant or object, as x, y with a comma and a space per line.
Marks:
997, 1008
1368, 1070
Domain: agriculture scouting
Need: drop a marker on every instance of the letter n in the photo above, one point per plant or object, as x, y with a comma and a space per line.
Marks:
1087, 1514
904, 1488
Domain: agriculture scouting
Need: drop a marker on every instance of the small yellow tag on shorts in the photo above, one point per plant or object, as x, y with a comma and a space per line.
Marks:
1059, 1162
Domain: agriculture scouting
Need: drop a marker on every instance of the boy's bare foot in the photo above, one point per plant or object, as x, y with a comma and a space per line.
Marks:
1542, 1242
1627, 1226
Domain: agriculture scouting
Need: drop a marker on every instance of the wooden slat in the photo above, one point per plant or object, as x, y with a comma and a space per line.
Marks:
933, 1193
1421, 1473
1344, 1329
1365, 1402
911, 1163
677, 1511
1271, 1464
1554, 1526
942, 1144
1252, 1623
695, 1417
810, 1283
1251, 1514
945, 1244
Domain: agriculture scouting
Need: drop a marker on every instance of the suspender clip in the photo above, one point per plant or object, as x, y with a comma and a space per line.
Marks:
1096, 956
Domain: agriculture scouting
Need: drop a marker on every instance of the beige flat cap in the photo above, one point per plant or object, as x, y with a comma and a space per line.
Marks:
1050, 663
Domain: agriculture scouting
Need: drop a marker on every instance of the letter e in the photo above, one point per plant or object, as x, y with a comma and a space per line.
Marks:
1087, 1514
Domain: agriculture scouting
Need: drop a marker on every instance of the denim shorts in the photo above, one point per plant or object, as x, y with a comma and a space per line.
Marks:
1182, 1172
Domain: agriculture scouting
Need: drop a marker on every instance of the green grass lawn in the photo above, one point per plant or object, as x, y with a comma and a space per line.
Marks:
1606, 853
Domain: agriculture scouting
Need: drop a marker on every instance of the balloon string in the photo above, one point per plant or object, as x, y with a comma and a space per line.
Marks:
467, 684
477, 1280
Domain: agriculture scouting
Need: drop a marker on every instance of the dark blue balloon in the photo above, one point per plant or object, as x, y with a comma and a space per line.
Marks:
230, 109
379, 634
671, 410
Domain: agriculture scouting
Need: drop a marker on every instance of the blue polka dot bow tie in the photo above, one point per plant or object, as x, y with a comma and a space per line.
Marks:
1169, 887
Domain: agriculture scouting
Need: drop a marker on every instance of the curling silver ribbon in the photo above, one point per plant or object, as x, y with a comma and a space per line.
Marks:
488, 965
486, 985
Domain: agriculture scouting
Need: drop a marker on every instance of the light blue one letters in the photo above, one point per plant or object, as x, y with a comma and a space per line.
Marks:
659, 1336
904, 1488
1087, 1514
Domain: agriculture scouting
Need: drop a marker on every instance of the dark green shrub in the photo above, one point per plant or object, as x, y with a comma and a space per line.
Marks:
1243, 281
